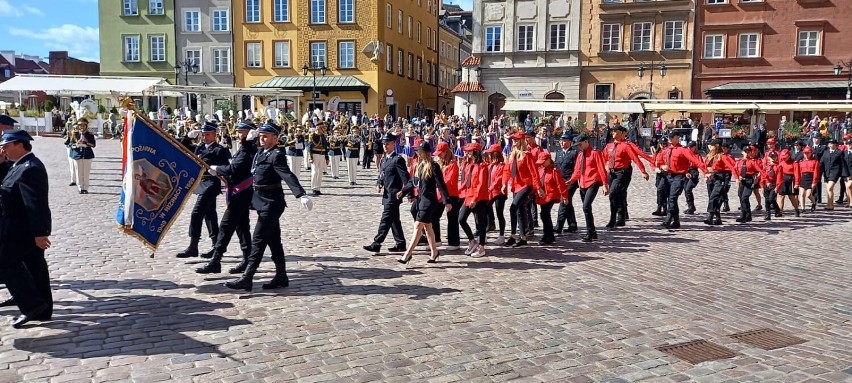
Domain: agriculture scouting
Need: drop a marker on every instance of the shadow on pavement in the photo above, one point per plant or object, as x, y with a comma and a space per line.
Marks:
128, 323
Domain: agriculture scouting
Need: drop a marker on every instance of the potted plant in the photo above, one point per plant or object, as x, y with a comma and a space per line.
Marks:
791, 131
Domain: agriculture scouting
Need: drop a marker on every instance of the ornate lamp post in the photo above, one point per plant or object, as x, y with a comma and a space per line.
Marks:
653, 65
185, 66
313, 69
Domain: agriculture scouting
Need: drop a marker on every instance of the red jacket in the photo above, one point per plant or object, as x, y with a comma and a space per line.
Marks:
724, 164
527, 174
554, 186
809, 166
619, 154
770, 176
588, 169
789, 168
478, 189
680, 159
752, 167
465, 171
496, 186
451, 178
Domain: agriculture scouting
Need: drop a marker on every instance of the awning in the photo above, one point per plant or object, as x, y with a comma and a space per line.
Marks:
806, 107
229, 91
778, 85
57, 85
699, 107
306, 83
574, 106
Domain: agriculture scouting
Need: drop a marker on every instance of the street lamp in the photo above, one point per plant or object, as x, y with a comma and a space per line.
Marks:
838, 70
458, 73
651, 67
313, 69
186, 66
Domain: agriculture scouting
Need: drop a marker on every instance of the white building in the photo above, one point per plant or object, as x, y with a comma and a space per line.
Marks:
523, 49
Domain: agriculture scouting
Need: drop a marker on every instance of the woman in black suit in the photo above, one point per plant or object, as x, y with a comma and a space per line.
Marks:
428, 182
831, 164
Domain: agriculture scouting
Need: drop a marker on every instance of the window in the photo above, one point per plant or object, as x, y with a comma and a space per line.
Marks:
221, 60
603, 91
220, 20
318, 51
642, 37
419, 69
192, 21
193, 56
749, 45
317, 11
252, 11
281, 11
130, 8
281, 50
714, 46
808, 43
673, 36
410, 27
157, 47
429, 72
7, 73
525, 38
347, 11
494, 39
346, 54
399, 61
131, 48
410, 67
389, 60
611, 38
389, 16
155, 7
558, 37
253, 55
717, 1
419, 26
399, 21
428, 38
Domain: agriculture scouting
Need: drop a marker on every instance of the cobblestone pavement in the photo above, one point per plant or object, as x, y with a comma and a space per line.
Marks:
572, 312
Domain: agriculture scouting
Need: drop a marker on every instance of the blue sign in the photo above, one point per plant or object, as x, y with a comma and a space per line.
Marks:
159, 175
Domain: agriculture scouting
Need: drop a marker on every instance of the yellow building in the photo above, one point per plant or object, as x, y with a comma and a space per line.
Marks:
376, 53
631, 34
450, 52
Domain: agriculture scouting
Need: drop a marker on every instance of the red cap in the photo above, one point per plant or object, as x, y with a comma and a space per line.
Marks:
519, 136
442, 148
542, 157
417, 142
771, 141
494, 149
472, 147
847, 137
807, 150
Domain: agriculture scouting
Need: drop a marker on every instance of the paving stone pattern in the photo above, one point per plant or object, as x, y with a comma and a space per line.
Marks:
572, 312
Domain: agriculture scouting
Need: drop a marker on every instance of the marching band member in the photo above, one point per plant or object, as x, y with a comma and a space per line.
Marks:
789, 186
429, 183
810, 172
566, 158
677, 163
831, 164
295, 151
692, 178
617, 156
749, 169
335, 153
353, 146
393, 175
590, 173
661, 180
717, 165
318, 149
770, 178
81, 143
555, 190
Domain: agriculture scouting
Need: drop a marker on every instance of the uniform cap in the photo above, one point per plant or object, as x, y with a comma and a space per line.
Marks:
442, 148
16, 135
6, 120
389, 137
424, 146
270, 128
832, 141
417, 142
619, 127
519, 136
542, 157
246, 126
472, 147
209, 127
565, 136
494, 149
581, 138
799, 143
807, 150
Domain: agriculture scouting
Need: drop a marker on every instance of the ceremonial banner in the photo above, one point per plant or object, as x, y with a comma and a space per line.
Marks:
159, 175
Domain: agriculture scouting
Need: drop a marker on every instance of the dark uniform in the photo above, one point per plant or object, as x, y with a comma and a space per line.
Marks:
393, 175
353, 148
269, 169
236, 217
565, 160
207, 190
818, 150
25, 216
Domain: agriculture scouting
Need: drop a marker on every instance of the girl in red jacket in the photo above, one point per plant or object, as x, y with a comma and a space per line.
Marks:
475, 199
450, 170
720, 166
789, 187
589, 170
521, 174
497, 200
770, 177
555, 191
809, 176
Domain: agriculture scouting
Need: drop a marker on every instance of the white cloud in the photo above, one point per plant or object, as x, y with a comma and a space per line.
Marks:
7, 9
78, 41
33, 10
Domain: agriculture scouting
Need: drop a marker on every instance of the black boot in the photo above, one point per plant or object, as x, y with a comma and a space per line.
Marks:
589, 236
244, 282
241, 267
717, 221
620, 219
280, 278
191, 250
725, 207
667, 222
690, 209
212, 267
798, 212
709, 220
675, 224
659, 212
742, 218
625, 214
748, 217
210, 253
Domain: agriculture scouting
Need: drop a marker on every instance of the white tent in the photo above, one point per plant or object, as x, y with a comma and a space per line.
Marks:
78, 86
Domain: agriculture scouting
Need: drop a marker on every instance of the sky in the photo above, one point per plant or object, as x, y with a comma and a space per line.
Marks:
36, 27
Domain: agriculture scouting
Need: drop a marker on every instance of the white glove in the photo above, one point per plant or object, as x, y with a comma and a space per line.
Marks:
193, 133
307, 203
252, 134
212, 170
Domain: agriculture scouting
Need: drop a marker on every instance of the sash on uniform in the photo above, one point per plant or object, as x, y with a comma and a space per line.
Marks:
237, 189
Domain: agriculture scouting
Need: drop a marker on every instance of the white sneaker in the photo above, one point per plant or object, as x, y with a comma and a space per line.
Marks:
450, 248
480, 252
500, 240
472, 246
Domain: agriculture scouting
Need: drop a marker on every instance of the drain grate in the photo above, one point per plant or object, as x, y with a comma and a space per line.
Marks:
697, 351
767, 339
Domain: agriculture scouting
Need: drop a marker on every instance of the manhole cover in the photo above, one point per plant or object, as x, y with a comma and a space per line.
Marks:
767, 339
697, 351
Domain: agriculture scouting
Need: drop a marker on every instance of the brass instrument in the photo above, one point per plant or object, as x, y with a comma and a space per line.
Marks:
353, 141
369, 140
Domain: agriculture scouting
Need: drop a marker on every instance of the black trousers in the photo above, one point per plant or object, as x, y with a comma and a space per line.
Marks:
452, 223
769, 196
676, 184
715, 191
662, 183
588, 195
519, 211
566, 210
496, 207
480, 219
818, 191
390, 222
235, 219
27, 278
618, 181
726, 186
547, 220
688, 188
842, 194
745, 191
267, 233
367, 158
628, 179
204, 210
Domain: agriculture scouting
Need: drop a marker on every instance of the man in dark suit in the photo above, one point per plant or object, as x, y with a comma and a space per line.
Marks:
796, 154
25, 229
818, 149
393, 175
831, 166
758, 138
211, 186
565, 159
269, 169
